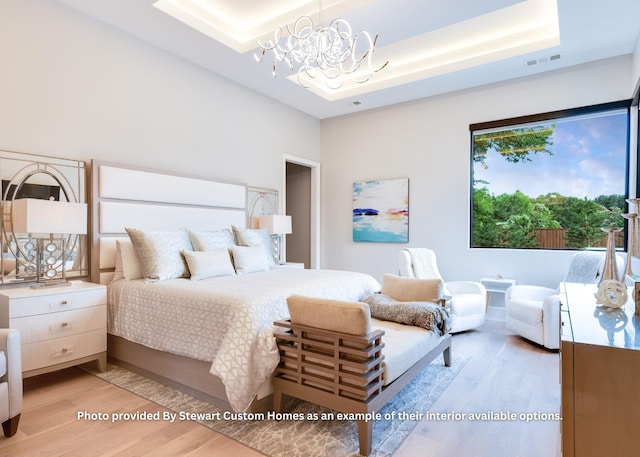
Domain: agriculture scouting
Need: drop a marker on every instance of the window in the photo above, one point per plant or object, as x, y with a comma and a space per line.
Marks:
550, 181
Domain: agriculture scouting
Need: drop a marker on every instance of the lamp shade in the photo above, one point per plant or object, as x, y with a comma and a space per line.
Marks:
277, 224
30, 215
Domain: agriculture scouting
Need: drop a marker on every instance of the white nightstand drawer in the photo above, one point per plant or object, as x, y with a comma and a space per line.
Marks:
290, 265
59, 350
55, 325
56, 302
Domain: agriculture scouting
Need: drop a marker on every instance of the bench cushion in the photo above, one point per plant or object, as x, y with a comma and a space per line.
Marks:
404, 345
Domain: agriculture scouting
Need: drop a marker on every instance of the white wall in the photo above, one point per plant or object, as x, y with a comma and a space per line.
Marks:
635, 77
73, 87
428, 141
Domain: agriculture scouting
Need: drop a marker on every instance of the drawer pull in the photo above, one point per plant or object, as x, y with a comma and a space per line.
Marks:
61, 326
61, 304
64, 352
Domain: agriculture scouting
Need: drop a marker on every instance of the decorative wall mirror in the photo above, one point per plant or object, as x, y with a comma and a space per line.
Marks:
38, 241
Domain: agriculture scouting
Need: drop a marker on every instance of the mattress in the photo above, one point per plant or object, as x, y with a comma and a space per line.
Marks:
227, 321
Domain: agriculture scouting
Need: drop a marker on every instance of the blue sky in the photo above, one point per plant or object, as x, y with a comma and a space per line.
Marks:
589, 159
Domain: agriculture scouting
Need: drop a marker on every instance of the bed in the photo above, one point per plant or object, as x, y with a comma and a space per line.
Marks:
211, 337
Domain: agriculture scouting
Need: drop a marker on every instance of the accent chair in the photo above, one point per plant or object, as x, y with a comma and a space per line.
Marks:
10, 380
533, 312
466, 300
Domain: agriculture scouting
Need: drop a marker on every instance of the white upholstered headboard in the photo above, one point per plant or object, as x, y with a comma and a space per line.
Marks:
124, 196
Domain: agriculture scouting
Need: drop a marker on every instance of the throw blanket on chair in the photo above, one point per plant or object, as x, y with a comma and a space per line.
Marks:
427, 315
584, 267
424, 263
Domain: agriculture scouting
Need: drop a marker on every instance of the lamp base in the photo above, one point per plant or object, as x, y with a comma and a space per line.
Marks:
51, 283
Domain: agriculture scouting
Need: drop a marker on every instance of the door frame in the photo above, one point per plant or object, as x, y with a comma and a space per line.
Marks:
314, 203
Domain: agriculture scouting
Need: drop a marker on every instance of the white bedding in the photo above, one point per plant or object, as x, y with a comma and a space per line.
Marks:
226, 320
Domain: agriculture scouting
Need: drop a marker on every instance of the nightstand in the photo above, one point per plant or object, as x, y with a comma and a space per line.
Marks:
59, 326
290, 265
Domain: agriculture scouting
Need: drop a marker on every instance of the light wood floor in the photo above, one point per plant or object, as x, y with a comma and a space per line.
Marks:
504, 374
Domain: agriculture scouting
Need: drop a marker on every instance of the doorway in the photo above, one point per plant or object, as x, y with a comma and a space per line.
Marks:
301, 202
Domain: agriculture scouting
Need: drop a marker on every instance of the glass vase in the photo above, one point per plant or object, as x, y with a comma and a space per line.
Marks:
631, 244
610, 270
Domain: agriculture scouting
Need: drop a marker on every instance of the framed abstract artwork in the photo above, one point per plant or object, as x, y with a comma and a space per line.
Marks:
381, 211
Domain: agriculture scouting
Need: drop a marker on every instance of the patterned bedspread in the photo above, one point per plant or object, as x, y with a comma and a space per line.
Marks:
226, 320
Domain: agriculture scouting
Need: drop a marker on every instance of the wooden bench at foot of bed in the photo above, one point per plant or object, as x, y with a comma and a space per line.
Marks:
334, 354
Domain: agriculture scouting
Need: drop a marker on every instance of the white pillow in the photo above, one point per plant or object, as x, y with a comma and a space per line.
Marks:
254, 237
160, 252
127, 264
209, 264
250, 259
207, 240
404, 289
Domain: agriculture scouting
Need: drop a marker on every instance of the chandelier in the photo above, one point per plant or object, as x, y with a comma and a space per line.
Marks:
331, 52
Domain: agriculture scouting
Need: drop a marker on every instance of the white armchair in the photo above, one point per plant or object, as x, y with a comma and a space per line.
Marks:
533, 312
468, 299
10, 380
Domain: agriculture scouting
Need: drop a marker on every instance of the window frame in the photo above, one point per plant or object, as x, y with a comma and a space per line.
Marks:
632, 167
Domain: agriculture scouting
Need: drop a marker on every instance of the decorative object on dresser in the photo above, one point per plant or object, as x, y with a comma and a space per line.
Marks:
10, 380
277, 225
467, 299
60, 327
611, 293
633, 237
533, 311
612, 227
632, 248
52, 244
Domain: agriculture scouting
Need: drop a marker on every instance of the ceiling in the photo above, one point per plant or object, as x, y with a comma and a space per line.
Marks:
432, 46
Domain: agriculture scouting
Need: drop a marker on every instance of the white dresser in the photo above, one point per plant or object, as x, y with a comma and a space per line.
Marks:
59, 326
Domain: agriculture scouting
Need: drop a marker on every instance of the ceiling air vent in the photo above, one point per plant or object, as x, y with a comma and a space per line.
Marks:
544, 59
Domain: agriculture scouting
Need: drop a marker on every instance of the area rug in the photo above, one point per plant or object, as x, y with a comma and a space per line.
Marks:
302, 438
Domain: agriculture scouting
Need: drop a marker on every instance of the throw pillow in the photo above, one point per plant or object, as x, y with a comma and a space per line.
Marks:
254, 237
412, 289
209, 264
160, 252
207, 240
249, 259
